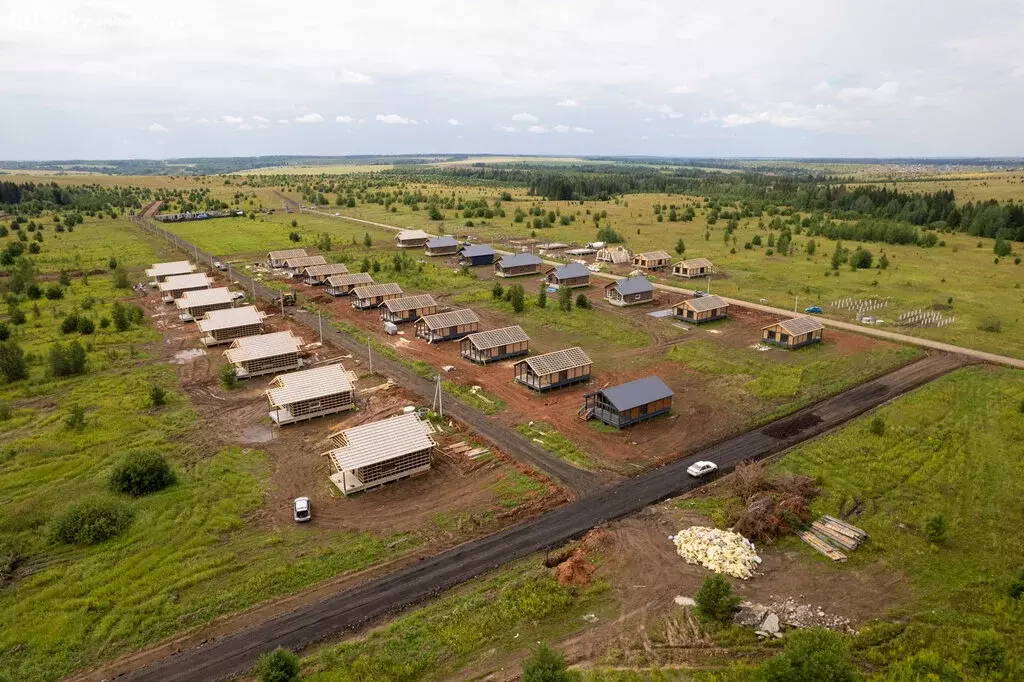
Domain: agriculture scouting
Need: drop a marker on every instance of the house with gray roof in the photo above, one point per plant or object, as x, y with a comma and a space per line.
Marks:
570, 276
629, 403
443, 246
518, 265
629, 291
479, 254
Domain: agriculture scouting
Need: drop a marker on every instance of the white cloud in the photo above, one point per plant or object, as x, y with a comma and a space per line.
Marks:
580, 129
819, 118
538, 129
395, 119
283, 121
246, 126
562, 128
880, 95
344, 119
708, 117
667, 111
525, 118
455, 122
156, 128
354, 77
204, 121
309, 118
261, 119
682, 90
181, 119
822, 86
567, 102
505, 129
233, 120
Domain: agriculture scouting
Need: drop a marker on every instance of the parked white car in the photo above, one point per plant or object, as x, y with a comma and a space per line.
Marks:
302, 509
702, 468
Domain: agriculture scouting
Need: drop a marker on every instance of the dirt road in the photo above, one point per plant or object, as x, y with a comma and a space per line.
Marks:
415, 583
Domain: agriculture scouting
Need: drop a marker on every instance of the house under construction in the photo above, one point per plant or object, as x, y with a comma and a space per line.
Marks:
174, 286
407, 308
310, 393
447, 326
224, 326
316, 275
276, 259
342, 285
265, 354
495, 344
296, 266
193, 305
554, 370
372, 295
380, 452
161, 271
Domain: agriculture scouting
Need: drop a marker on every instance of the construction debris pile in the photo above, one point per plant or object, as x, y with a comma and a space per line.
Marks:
721, 551
766, 618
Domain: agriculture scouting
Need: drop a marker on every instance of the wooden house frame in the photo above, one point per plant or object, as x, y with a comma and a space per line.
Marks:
175, 285
616, 255
224, 326
411, 239
554, 370
693, 267
193, 305
316, 275
265, 354
296, 266
276, 259
373, 454
310, 393
495, 344
652, 260
161, 271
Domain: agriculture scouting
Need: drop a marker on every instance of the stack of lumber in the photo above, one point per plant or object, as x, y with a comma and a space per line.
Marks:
822, 546
464, 448
829, 534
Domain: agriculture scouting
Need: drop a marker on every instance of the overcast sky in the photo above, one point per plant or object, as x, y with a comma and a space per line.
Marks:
140, 79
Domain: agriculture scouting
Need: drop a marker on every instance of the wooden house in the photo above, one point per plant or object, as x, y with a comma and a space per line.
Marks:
553, 370
316, 275
224, 326
652, 260
161, 271
175, 285
570, 276
629, 403
793, 333
443, 246
342, 285
701, 309
372, 295
693, 267
495, 344
310, 393
616, 255
411, 239
407, 308
447, 326
295, 266
276, 259
478, 254
629, 291
379, 452
518, 265
193, 305
265, 354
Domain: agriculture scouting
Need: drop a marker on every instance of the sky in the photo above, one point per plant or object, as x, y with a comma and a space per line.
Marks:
138, 79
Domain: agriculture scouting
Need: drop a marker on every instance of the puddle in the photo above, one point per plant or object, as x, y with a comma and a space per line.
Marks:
183, 356
257, 434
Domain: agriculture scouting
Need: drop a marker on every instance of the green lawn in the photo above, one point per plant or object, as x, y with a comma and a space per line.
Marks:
556, 443
90, 246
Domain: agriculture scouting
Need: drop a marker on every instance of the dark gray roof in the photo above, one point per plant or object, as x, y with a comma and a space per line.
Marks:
635, 393
633, 285
477, 250
519, 260
571, 271
442, 242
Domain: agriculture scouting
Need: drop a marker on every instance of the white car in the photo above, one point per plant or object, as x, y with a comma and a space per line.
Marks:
302, 509
702, 468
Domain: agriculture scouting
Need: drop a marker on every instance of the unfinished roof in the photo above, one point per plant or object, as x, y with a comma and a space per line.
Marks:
230, 318
572, 271
409, 303
633, 285
350, 279
560, 360
442, 242
374, 290
654, 255
286, 253
192, 299
506, 336
478, 250
704, 303
799, 325
178, 282
519, 260
450, 319
308, 384
178, 267
636, 393
304, 261
326, 270
695, 263
262, 346
617, 254
406, 235
381, 441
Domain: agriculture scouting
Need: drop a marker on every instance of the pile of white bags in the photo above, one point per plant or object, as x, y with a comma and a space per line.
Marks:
721, 551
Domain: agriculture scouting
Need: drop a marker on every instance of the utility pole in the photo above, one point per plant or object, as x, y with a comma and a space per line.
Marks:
709, 285
438, 406
320, 324
796, 303
369, 354
282, 304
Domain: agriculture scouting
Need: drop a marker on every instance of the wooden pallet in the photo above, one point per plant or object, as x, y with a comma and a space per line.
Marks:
822, 546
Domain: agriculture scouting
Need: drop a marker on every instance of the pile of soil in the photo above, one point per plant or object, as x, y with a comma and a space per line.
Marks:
577, 570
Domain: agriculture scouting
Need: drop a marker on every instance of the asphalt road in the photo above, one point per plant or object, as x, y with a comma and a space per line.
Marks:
418, 582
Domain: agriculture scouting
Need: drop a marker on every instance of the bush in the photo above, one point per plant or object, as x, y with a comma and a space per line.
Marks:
497, 291
878, 426
34, 291
294, 236
518, 298
935, 529
141, 472
279, 665
565, 299
812, 654
229, 377
5, 331
16, 314
583, 302
367, 240
67, 359
542, 296
121, 278
112, 263
990, 325
69, 324
715, 600
13, 365
86, 325
545, 665
75, 419
5, 411
861, 259
988, 653
157, 396
92, 522
54, 292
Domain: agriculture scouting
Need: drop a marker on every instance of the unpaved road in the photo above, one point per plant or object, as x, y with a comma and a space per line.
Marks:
415, 583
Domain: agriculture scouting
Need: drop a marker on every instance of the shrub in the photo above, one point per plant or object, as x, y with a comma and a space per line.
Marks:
861, 259
104, 322
54, 292
935, 529
545, 665
990, 324
497, 291
1017, 586
75, 419
229, 377
64, 279
157, 396
34, 291
279, 665
294, 236
92, 522
121, 278
67, 359
565, 299
715, 600
86, 325
878, 426
141, 472
542, 296
583, 302
16, 314
69, 324
812, 654
518, 299
13, 365
5, 331
367, 240
112, 263
5, 411
988, 653
925, 666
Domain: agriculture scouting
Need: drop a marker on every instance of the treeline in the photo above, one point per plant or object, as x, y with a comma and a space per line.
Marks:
33, 198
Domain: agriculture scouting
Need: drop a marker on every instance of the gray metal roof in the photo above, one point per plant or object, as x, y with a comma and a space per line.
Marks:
478, 250
350, 279
410, 302
286, 253
302, 262
178, 267
192, 299
799, 325
571, 271
518, 260
695, 264
653, 255
326, 270
560, 360
633, 285
374, 290
636, 393
704, 303
442, 242
262, 346
308, 384
230, 318
381, 441
450, 319
493, 338
178, 282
